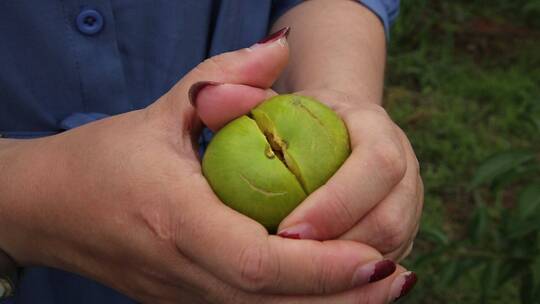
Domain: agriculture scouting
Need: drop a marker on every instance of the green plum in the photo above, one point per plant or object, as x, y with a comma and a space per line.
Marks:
266, 163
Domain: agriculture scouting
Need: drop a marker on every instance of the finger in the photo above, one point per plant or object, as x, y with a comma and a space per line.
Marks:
239, 251
390, 225
402, 252
257, 66
414, 163
385, 291
407, 251
217, 291
217, 104
375, 166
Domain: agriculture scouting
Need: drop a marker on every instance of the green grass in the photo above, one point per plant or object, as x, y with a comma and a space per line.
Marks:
463, 81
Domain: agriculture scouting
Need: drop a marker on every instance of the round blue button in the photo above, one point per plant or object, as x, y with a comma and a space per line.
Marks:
89, 22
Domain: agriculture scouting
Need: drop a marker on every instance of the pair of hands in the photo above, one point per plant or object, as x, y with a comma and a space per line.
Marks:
123, 201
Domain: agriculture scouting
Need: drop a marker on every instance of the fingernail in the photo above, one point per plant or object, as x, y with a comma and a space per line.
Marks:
402, 285
373, 272
285, 234
300, 231
197, 87
282, 33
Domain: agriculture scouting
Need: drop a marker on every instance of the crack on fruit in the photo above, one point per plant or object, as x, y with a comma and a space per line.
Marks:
290, 163
279, 148
276, 146
262, 191
269, 152
297, 102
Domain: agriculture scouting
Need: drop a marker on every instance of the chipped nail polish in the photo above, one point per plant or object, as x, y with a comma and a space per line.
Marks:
299, 231
373, 271
402, 285
281, 34
284, 32
287, 235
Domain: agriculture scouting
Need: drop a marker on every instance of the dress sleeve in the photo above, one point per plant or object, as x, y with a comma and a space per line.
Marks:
280, 7
386, 10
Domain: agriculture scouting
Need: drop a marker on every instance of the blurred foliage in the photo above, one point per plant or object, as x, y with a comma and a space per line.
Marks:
463, 81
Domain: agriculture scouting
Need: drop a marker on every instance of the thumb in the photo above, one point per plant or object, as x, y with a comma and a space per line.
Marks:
239, 251
218, 103
257, 66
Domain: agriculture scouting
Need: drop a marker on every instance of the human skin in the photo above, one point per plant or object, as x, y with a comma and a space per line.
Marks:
123, 201
381, 209
338, 57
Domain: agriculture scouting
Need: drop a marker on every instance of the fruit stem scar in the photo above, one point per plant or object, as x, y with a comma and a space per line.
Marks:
262, 191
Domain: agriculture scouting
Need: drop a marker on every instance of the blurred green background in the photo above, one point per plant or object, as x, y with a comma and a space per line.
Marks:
463, 81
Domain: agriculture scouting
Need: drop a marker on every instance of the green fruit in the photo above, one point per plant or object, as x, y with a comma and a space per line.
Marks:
264, 164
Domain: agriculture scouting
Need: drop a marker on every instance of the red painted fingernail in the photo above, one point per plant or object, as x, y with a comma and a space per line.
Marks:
287, 235
383, 269
299, 231
403, 284
372, 272
197, 87
284, 32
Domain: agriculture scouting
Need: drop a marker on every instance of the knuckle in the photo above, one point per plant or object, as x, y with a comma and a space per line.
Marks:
324, 277
390, 161
256, 270
391, 233
409, 147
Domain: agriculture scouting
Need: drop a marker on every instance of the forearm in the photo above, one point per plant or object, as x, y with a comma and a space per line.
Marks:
335, 44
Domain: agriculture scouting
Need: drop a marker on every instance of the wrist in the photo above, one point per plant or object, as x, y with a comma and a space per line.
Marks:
338, 46
350, 86
23, 176
344, 97
8, 267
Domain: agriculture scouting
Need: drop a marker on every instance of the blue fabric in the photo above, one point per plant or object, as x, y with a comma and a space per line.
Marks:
89, 22
386, 10
65, 63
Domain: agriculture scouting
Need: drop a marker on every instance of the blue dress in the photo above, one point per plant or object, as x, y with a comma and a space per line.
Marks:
64, 63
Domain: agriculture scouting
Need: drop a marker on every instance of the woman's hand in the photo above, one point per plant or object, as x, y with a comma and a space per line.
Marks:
123, 201
376, 197
338, 54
